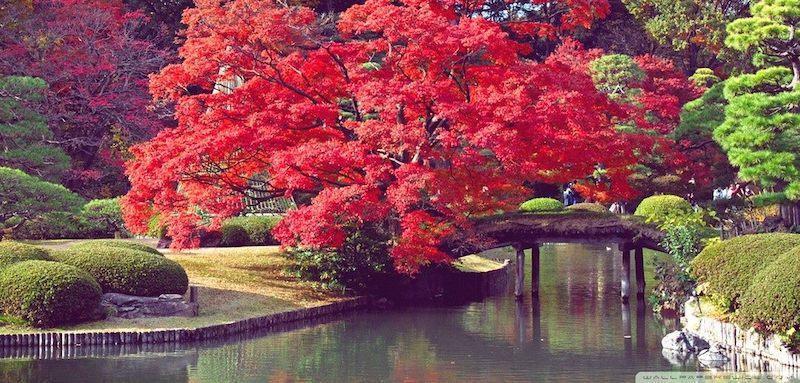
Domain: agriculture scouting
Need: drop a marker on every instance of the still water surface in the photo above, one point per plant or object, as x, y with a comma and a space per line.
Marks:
577, 332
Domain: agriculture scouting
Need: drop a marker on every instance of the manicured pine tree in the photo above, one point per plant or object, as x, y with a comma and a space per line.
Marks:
761, 132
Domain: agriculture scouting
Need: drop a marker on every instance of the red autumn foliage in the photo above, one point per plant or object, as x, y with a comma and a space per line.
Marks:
97, 67
416, 116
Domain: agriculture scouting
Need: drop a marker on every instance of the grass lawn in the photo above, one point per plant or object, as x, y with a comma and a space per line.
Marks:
234, 284
476, 264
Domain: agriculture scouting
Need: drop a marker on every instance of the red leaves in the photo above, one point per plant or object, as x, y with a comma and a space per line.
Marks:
414, 116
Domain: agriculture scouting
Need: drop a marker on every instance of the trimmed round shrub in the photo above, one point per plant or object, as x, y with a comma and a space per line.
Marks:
728, 267
13, 252
234, 235
47, 294
541, 205
118, 243
258, 229
657, 207
772, 302
588, 206
125, 271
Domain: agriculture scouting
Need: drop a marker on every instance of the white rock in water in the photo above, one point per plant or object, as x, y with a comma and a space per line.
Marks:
675, 341
683, 341
713, 357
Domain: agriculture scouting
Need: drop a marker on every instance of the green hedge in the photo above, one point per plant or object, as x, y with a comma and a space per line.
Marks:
772, 302
588, 206
728, 267
541, 205
255, 230
47, 294
119, 243
13, 252
125, 271
658, 207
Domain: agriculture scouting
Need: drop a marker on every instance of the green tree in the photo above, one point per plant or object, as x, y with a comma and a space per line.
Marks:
761, 131
24, 134
106, 213
694, 28
699, 119
24, 198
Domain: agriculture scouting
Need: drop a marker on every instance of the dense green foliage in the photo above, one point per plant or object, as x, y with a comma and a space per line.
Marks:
727, 268
760, 132
588, 206
541, 205
253, 230
118, 243
617, 75
27, 198
125, 271
13, 252
361, 265
772, 302
658, 207
685, 234
24, 134
234, 236
47, 294
695, 28
106, 214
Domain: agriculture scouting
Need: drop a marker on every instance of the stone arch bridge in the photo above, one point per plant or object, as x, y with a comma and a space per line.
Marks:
529, 231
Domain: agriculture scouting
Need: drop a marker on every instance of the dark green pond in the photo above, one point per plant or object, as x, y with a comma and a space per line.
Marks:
577, 332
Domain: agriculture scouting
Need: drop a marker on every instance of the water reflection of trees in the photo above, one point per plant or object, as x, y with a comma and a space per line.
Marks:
575, 330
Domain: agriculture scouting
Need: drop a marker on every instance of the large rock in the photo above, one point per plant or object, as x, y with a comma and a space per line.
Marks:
165, 305
712, 357
683, 342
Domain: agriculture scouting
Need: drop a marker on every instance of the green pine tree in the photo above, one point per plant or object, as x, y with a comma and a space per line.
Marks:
761, 130
24, 135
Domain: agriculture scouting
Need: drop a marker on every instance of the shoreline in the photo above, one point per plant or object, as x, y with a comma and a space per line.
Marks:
732, 338
78, 338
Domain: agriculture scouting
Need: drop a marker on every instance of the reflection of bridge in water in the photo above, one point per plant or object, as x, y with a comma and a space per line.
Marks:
525, 231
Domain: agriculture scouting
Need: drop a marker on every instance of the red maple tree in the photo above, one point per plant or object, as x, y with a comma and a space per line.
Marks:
416, 116
96, 66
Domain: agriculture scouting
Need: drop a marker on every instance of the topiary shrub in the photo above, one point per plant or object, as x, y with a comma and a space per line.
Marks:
656, 208
541, 205
588, 206
105, 214
771, 303
258, 229
119, 243
47, 294
13, 252
234, 235
727, 268
125, 271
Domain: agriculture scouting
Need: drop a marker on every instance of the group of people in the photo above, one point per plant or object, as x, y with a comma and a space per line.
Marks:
733, 190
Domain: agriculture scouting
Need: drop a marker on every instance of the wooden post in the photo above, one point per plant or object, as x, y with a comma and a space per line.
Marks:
535, 270
520, 277
625, 277
638, 256
192, 294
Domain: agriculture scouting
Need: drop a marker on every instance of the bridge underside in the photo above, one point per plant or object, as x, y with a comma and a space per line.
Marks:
528, 231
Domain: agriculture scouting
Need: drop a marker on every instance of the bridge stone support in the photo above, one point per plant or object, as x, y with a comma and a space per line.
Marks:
519, 280
625, 275
638, 255
535, 251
